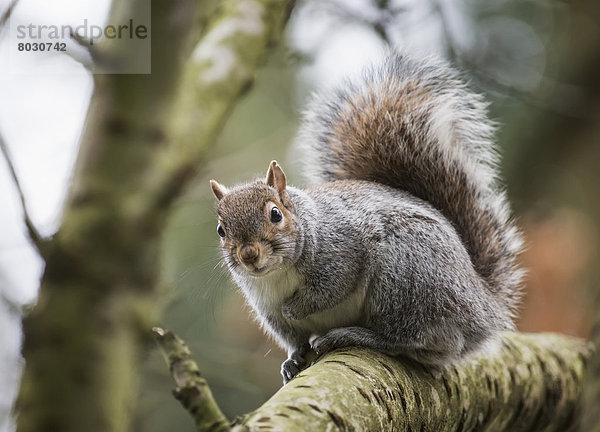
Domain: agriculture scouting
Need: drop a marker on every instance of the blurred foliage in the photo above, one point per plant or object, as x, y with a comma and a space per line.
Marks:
538, 62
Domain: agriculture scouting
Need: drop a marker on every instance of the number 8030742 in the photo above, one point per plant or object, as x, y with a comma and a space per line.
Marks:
42, 46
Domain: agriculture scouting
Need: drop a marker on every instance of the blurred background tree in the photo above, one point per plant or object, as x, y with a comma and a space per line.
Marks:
538, 63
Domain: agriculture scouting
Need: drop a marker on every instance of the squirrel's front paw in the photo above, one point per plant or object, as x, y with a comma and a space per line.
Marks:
290, 368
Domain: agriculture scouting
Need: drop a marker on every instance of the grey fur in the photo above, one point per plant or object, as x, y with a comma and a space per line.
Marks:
404, 245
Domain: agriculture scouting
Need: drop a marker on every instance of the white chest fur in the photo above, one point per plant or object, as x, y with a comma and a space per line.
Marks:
267, 293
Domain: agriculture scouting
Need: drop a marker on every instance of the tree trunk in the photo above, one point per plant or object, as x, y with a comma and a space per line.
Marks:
145, 137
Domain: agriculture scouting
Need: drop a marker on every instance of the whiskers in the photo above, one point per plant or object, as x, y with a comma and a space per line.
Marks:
206, 264
202, 286
283, 247
229, 263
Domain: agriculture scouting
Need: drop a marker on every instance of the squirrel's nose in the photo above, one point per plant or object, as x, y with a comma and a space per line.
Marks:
248, 253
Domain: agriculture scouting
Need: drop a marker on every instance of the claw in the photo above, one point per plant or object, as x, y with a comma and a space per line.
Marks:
320, 345
290, 368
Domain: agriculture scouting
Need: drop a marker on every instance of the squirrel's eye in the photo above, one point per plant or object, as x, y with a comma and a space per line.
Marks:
276, 215
220, 231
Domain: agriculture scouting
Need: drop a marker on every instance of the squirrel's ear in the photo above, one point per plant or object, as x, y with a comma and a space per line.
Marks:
218, 189
276, 177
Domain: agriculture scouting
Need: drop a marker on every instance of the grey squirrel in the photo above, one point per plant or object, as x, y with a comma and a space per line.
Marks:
405, 242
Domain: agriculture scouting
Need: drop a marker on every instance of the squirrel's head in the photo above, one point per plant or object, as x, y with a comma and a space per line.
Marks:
257, 224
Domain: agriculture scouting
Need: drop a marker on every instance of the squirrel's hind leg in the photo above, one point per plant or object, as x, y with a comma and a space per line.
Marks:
359, 336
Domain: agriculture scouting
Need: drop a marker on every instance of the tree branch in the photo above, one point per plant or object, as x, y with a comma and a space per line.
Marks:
32, 231
220, 70
192, 390
523, 382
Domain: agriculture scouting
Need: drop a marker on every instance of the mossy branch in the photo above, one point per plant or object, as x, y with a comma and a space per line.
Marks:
524, 382
192, 390
220, 70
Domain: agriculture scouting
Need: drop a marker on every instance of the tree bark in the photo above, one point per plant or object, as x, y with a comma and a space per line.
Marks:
145, 136
523, 382
591, 391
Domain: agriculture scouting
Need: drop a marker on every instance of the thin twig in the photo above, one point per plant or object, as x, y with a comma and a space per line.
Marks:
192, 390
34, 235
6, 14
380, 24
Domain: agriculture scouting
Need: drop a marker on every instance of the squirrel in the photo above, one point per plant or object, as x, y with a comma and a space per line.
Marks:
402, 243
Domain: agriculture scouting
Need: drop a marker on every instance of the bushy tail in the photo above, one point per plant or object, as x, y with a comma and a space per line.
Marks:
413, 125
